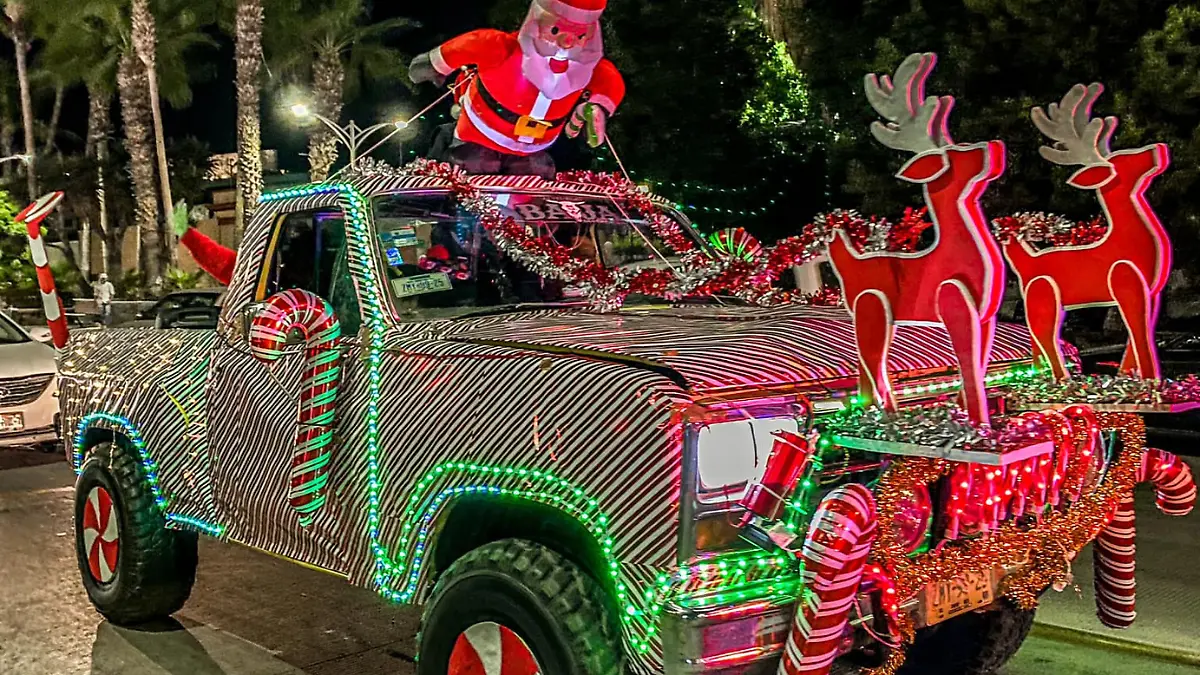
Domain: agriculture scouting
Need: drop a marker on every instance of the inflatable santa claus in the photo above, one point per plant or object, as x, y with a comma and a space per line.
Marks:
530, 86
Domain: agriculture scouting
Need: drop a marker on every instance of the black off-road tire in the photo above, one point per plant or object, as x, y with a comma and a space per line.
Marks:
560, 612
973, 644
155, 567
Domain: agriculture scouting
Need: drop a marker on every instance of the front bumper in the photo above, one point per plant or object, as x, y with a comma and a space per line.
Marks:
746, 638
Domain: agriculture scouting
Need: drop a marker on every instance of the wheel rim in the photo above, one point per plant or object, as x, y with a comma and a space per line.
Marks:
101, 534
491, 649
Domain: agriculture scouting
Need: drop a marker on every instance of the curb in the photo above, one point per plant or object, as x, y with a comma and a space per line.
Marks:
1086, 638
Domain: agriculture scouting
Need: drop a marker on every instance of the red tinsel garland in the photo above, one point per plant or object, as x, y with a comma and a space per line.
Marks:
1047, 229
751, 278
663, 227
872, 234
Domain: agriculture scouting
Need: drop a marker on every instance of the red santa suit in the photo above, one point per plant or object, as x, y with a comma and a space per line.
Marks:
530, 82
212, 257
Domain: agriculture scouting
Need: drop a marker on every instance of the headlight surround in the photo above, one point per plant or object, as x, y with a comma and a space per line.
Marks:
732, 454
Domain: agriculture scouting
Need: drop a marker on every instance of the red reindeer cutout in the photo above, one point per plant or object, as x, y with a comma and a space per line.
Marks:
958, 282
1128, 268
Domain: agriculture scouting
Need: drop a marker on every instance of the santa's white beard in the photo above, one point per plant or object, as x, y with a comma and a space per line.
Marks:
536, 69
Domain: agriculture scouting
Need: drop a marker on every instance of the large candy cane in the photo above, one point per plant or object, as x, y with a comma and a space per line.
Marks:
307, 313
1115, 551
834, 553
32, 218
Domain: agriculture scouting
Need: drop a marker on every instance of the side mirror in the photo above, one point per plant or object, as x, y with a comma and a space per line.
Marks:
246, 318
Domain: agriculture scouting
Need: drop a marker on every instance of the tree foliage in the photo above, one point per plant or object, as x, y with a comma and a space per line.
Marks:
1000, 58
714, 103
18, 279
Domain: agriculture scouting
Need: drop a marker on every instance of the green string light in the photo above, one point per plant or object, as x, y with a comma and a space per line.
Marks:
196, 524
149, 468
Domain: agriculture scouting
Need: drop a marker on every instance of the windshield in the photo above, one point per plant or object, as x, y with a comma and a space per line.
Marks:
10, 333
441, 262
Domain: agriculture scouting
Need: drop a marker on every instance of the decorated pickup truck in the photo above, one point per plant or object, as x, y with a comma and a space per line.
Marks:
468, 393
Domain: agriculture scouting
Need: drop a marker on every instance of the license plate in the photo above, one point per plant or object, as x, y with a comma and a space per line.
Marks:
964, 593
12, 421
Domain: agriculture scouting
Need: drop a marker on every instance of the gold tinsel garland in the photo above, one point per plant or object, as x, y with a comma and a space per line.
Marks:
1043, 554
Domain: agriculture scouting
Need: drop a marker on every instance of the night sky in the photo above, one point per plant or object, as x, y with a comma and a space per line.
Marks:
211, 115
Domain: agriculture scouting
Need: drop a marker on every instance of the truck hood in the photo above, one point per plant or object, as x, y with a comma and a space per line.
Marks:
731, 347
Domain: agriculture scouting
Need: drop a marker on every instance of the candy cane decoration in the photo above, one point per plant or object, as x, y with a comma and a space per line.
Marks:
1115, 561
307, 313
1174, 487
834, 553
1114, 555
1085, 463
32, 218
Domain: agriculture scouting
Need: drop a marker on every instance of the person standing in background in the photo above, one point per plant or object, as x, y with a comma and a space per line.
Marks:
103, 292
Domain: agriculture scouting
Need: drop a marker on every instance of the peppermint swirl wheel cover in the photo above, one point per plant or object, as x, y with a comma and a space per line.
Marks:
491, 649
101, 534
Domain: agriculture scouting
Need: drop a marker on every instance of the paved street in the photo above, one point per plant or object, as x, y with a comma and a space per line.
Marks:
253, 614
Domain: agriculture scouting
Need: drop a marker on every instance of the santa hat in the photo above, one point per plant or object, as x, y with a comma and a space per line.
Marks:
579, 11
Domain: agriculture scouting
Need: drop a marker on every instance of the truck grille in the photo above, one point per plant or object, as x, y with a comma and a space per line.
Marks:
22, 390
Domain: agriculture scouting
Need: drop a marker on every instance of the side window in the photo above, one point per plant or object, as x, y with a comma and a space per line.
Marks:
310, 253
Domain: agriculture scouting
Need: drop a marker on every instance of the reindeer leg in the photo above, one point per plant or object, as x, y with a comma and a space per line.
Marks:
1044, 313
1129, 289
873, 332
987, 335
1129, 360
956, 309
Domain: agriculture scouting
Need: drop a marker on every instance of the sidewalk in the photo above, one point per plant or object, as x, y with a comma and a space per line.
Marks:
1168, 592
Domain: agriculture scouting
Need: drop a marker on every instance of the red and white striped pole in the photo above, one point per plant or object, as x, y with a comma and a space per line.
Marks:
32, 218
834, 554
1115, 551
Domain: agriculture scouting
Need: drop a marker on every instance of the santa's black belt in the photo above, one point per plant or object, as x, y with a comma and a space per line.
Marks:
511, 117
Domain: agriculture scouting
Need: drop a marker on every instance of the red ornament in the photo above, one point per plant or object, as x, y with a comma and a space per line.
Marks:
789, 455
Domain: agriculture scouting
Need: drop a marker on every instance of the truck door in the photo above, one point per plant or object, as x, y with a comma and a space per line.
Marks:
255, 407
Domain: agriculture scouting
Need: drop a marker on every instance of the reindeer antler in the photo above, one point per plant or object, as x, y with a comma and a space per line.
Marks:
915, 123
1078, 138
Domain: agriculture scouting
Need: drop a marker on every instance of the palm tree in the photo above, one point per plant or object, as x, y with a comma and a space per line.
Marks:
81, 50
14, 12
60, 91
95, 41
334, 46
145, 45
8, 120
248, 53
134, 88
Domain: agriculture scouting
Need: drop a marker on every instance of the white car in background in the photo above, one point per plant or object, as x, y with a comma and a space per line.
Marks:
28, 388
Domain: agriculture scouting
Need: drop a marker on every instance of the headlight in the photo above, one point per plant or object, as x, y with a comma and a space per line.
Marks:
730, 455
914, 518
